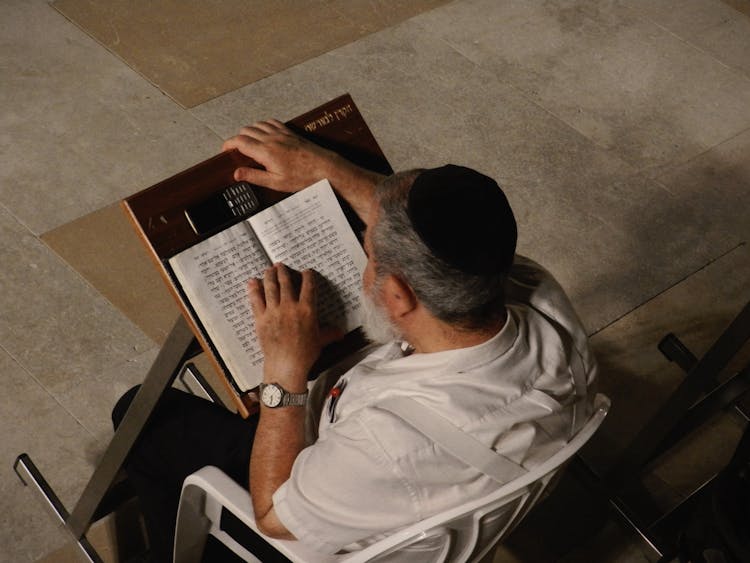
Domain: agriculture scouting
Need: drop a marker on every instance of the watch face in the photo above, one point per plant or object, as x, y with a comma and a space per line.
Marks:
271, 395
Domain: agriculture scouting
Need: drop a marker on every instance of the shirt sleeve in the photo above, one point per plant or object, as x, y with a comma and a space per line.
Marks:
343, 489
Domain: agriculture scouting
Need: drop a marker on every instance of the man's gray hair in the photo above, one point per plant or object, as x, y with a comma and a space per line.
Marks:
465, 300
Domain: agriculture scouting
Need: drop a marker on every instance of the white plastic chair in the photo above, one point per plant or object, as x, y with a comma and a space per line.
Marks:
465, 533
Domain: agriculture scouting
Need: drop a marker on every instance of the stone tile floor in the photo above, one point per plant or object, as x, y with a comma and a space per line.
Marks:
620, 130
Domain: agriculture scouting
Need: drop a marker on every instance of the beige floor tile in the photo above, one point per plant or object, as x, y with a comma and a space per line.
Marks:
104, 248
53, 323
79, 128
205, 50
641, 93
33, 422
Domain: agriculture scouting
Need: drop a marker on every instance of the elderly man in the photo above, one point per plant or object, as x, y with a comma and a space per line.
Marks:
478, 335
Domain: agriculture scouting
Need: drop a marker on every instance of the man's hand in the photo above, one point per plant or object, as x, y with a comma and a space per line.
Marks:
286, 321
292, 163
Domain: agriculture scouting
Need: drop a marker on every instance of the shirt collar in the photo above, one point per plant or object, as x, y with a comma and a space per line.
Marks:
391, 357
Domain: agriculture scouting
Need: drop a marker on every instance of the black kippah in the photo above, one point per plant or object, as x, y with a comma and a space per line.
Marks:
464, 218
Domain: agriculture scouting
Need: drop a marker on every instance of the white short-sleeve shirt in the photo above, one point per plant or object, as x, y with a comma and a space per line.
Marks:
370, 472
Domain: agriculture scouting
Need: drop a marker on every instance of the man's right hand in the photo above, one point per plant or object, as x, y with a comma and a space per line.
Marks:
292, 163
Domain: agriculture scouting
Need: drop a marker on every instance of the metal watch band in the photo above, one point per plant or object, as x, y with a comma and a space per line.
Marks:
294, 399
287, 399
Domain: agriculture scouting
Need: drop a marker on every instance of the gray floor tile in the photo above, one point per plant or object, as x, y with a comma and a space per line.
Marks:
643, 94
719, 180
90, 399
616, 246
712, 25
638, 378
191, 58
53, 323
33, 422
615, 239
697, 459
686, 18
729, 42
79, 128
283, 95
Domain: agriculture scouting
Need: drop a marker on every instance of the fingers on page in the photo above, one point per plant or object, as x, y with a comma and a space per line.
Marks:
256, 294
286, 282
308, 287
271, 286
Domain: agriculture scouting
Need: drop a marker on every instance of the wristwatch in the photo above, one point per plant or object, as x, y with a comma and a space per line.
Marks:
274, 395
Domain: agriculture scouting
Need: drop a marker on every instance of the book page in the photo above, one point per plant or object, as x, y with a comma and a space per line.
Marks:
214, 275
309, 230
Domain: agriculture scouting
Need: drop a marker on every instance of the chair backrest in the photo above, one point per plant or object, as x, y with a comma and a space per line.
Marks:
469, 531
465, 533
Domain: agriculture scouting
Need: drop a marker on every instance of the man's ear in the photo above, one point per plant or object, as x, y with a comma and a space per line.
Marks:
398, 296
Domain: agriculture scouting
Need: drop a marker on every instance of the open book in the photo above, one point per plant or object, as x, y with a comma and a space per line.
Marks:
306, 230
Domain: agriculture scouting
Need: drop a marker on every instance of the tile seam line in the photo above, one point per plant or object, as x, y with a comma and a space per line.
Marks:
742, 74
670, 287
46, 391
413, 20
671, 167
525, 96
114, 54
78, 275
21, 222
204, 122
562, 120
93, 289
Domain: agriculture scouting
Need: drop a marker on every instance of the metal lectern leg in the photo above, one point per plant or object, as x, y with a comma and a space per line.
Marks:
31, 477
178, 348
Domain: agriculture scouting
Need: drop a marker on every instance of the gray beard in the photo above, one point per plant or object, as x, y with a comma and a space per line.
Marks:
375, 322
